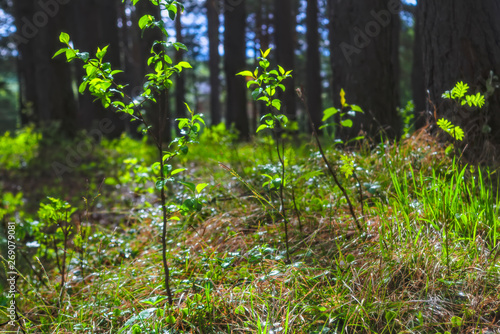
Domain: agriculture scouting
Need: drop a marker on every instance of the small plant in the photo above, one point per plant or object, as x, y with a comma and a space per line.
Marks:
267, 84
100, 82
458, 94
407, 115
346, 162
343, 122
54, 233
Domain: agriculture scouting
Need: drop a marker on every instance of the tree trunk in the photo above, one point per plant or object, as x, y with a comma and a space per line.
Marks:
148, 38
234, 62
96, 22
313, 67
418, 75
180, 83
285, 21
214, 61
46, 83
364, 41
461, 43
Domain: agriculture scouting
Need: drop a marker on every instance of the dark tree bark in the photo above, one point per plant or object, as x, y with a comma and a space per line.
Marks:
234, 62
96, 26
461, 42
313, 67
46, 84
418, 75
285, 21
146, 41
214, 61
364, 41
180, 83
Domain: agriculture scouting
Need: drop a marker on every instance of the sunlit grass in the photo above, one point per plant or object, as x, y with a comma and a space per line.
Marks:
427, 262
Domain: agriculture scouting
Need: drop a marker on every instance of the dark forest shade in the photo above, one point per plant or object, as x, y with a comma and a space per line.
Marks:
46, 84
285, 22
234, 62
313, 66
364, 40
147, 38
180, 81
418, 77
461, 42
214, 59
96, 26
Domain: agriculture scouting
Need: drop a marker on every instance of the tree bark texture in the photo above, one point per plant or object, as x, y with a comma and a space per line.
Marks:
234, 62
364, 41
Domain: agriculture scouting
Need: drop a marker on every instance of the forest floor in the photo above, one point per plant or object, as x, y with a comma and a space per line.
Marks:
425, 260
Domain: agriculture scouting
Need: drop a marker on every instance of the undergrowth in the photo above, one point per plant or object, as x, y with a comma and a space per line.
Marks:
427, 261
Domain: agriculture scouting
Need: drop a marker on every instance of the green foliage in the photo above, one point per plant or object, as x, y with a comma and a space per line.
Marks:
455, 131
268, 83
18, 150
458, 93
53, 231
343, 122
347, 167
100, 82
407, 115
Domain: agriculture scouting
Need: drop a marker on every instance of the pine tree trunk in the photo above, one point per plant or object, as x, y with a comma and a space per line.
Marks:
234, 62
285, 22
313, 66
461, 43
364, 41
180, 83
46, 83
96, 26
214, 61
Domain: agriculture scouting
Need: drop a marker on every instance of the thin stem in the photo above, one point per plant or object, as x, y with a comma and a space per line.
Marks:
282, 201
330, 169
164, 208
297, 212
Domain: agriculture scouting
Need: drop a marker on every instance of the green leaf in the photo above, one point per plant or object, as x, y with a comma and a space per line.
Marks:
200, 187
456, 321
266, 53
261, 127
282, 71
184, 64
60, 51
145, 20
177, 171
356, 108
454, 131
347, 123
246, 74
64, 38
160, 184
460, 90
329, 113
276, 104
189, 185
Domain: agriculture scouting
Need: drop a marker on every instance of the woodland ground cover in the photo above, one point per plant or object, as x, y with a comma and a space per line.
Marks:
426, 260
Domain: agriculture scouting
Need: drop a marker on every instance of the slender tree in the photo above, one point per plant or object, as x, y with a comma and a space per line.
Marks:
214, 59
284, 15
313, 66
234, 62
364, 42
